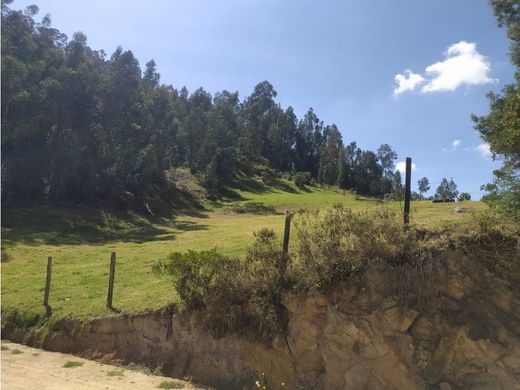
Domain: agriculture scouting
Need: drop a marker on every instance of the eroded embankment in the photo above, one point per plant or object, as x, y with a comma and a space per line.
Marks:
396, 328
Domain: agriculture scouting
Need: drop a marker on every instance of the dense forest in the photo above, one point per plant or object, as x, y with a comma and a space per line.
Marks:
78, 126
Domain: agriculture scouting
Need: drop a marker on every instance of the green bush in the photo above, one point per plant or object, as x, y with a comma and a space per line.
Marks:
302, 179
197, 275
233, 294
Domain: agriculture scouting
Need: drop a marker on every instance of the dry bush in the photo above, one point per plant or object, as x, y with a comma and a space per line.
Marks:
495, 244
337, 243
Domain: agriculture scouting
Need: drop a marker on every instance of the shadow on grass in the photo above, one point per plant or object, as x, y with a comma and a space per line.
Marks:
257, 208
305, 189
38, 225
258, 187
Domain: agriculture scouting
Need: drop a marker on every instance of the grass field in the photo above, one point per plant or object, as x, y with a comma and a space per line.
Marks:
80, 240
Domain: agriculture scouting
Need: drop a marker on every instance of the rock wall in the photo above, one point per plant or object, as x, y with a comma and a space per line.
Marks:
455, 326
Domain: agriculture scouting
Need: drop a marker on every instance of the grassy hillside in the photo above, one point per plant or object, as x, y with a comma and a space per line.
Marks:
81, 239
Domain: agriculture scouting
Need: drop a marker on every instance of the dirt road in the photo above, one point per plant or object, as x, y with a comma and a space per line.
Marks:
29, 368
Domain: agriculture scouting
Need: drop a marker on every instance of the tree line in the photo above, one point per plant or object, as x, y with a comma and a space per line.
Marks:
80, 126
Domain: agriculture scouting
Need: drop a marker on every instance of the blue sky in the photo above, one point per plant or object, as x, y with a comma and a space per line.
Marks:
339, 57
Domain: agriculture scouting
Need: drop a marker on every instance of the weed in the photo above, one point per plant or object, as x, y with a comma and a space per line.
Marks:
72, 364
5, 348
16, 351
158, 371
36, 354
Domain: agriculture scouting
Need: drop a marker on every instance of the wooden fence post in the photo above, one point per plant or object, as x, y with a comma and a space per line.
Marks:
287, 231
111, 279
407, 191
48, 284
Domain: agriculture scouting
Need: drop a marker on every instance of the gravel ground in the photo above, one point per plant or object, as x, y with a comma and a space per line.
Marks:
29, 368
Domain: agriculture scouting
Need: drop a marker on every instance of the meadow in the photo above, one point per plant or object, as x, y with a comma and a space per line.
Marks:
81, 239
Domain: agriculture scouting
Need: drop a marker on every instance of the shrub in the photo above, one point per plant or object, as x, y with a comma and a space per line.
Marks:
197, 275
268, 175
335, 244
495, 244
302, 179
231, 294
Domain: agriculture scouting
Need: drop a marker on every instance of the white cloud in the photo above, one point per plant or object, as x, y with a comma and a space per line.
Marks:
462, 65
401, 166
407, 81
484, 150
454, 145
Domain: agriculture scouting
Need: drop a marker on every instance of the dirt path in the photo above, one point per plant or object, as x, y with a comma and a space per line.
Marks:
29, 368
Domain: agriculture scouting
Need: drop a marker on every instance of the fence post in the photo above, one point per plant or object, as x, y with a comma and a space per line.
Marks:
287, 231
48, 285
111, 279
407, 192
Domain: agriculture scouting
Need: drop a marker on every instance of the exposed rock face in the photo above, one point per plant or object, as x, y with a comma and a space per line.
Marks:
368, 336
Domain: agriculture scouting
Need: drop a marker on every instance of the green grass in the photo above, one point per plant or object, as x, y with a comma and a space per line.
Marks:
72, 364
81, 239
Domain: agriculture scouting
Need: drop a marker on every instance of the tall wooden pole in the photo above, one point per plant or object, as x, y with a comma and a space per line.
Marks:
407, 191
48, 283
111, 279
287, 231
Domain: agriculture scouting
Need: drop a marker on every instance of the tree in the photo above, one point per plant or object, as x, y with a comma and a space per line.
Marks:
424, 186
342, 179
308, 143
257, 115
386, 158
397, 186
151, 77
330, 155
392, 186
446, 190
368, 174
465, 196
500, 128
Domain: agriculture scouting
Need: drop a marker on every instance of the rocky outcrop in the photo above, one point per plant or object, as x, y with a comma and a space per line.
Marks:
446, 327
